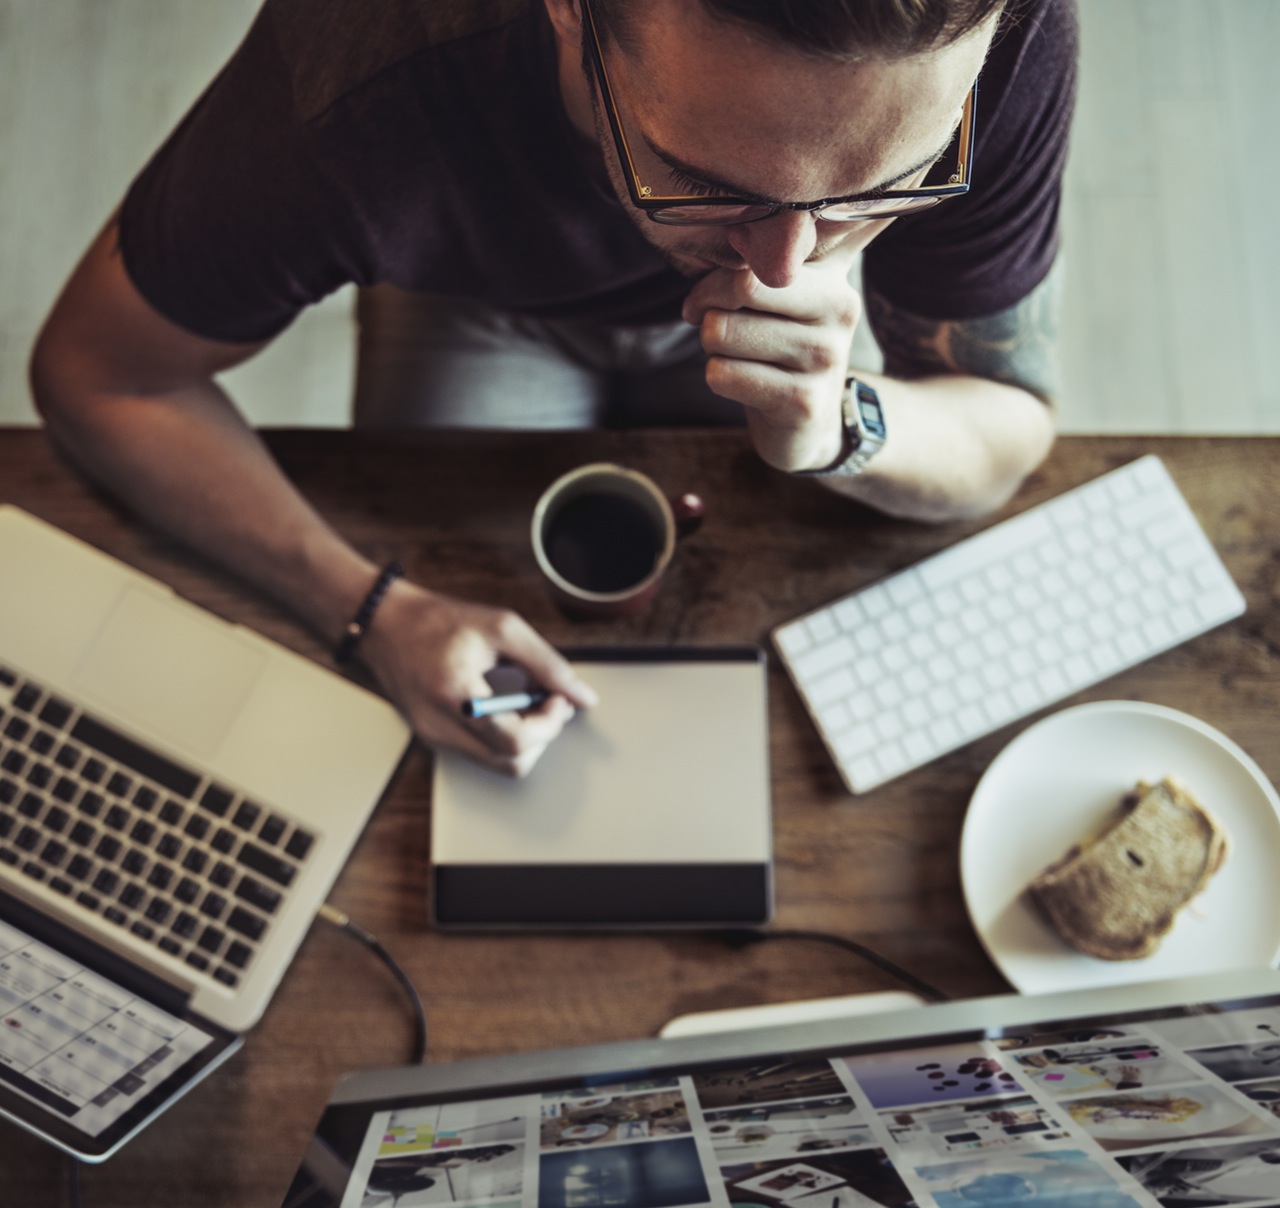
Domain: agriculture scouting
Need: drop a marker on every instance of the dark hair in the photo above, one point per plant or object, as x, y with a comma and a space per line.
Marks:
834, 28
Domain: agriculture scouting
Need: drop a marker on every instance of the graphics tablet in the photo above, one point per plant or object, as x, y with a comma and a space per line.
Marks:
1088, 1097
651, 809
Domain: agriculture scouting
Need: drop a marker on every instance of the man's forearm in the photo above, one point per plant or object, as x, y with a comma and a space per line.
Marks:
958, 446
187, 463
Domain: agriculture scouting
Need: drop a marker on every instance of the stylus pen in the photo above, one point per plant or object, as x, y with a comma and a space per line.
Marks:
486, 706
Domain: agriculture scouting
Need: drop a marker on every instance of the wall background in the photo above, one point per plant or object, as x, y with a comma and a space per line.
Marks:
1174, 251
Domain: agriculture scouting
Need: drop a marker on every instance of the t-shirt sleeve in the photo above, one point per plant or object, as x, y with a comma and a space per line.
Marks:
981, 253
232, 229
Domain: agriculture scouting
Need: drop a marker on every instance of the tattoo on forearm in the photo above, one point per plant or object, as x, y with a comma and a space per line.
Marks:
1017, 346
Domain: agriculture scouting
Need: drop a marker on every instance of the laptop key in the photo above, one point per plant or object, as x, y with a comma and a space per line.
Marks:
6, 825
8, 790
114, 915
28, 839
56, 820
196, 961
39, 775
82, 833
42, 742
17, 728
257, 894
88, 900
119, 784
143, 832
134, 862
299, 845
211, 938
246, 923
66, 789
195, 861
272, 829
267, 863
26, 697
187, 891
67, 757
153, 767
31, 805
108, 848
14, 761
35, 871
171, 812
80, 867
217, 800
246, 815
116, 817
54, 852
238, 954
160, 876
7, 677
131, 895
169, 846
106, 882
222, 874
145, 930
226, 976
55, 713
224, 840
8, 856
170, 945
158, 911
185, 925
93, 771
145, 799
58, 885
197, 827
91, 803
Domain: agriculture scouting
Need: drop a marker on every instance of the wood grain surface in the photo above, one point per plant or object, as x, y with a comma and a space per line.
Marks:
881, 868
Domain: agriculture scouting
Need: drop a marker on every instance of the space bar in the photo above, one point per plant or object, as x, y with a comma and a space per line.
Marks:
977, 552
124, 750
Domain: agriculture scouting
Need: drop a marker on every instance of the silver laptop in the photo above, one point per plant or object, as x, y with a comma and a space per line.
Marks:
177, 797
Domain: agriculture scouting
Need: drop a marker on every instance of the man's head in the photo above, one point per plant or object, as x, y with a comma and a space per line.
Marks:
713, 103
845, 29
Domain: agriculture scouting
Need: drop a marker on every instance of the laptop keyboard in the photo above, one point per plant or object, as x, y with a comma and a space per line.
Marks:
1006, 622
157, 849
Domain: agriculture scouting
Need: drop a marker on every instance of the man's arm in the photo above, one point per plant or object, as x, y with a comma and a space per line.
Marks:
969, 404
130, 397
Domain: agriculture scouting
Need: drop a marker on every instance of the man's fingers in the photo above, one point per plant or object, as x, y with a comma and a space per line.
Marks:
751, 336
546, 666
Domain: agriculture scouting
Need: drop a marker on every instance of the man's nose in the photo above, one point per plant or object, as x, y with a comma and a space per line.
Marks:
775, 248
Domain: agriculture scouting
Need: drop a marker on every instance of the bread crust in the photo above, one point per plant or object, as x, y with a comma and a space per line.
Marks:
1115, 898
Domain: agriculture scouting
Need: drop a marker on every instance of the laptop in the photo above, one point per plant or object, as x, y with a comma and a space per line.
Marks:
1113, 1097
177, 797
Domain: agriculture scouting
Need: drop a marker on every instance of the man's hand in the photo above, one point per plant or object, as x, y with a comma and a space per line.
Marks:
783, 353
430, 652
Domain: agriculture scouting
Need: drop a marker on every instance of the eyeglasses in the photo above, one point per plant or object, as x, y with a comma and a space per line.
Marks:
692, 209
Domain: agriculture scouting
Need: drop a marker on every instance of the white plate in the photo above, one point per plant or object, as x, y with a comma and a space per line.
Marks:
1057, 782
1214, 1114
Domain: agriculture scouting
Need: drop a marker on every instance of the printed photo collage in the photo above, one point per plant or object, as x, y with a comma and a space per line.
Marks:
1169, 1114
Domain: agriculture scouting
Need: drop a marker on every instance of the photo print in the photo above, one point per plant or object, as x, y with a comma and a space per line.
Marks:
659, 1174
780, 1130
1241, 1062
1221, 1027
1210, 1177
602, 1119
617, 1088
449, 1176
1134, 1120
951, 1130
931, 1076
1265, 1093
455, 1126
860, 1178
769, 1082
1131, 1065
1058, 1178
1014, 1041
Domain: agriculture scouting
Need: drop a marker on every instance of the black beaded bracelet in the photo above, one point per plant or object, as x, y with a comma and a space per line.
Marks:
359, 625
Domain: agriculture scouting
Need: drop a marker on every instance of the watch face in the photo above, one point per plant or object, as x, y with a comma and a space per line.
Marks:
870, 412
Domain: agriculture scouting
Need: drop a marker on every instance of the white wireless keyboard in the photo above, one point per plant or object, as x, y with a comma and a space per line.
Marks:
1006, 622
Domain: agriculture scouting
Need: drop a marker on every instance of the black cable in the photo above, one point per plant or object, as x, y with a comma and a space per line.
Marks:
740, 937
340, 920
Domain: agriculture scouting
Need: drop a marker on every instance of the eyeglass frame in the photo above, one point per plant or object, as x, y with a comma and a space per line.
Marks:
642, 196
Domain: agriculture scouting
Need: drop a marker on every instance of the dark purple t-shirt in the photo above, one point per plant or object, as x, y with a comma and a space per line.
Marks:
424, 143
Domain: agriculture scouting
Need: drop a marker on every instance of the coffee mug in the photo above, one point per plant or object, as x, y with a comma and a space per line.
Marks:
603, 536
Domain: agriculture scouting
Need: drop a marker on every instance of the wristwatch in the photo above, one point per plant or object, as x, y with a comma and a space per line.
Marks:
864, 431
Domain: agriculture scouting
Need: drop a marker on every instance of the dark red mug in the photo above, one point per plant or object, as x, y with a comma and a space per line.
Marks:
603, 536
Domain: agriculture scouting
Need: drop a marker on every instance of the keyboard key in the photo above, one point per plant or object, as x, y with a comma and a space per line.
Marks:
226, 976
40, 774
42, 742
132, 895
134, 862
222, 874
55, 713
187, 890
109, 847
54, 852
238, 954
197, 827
246, 815
256, 894
160, 876
56, 820
224, 840
119, 784
66, 789
35, 871
114, 914
185, 925
247, 924
272, 829
158, 910
31, 805
59, 885
94, 770
87, 900
116, 817
170, 945
106, 882
28, 839
214, 905
171, 812
211, 938
14, 761
216, 800
8, 791
196, 961
6, 825
145, 798
195, 861
91, 803
80, 867
269, 865
169, 846
299, 844
143, 832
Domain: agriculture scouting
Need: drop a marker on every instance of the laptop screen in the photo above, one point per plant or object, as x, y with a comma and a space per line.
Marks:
1108, 1111
86, 1059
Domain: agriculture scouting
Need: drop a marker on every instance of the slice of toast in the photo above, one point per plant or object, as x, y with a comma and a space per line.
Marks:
1116, 897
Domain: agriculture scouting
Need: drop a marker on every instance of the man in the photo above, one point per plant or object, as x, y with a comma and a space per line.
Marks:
509, 156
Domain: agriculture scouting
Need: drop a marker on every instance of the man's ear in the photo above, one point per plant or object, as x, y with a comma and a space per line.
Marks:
566, 16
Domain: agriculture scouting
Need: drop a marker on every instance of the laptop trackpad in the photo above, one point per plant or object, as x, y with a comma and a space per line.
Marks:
170, 667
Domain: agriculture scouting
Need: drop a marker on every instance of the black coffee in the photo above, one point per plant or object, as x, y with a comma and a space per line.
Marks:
603, 542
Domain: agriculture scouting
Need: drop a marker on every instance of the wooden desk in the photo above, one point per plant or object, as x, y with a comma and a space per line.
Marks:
882, 868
